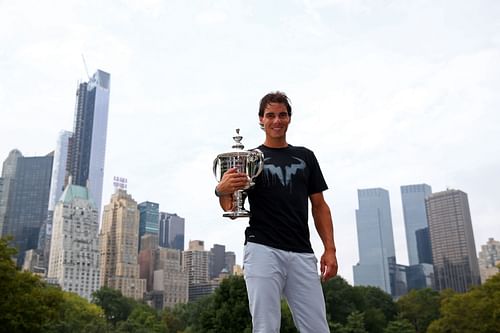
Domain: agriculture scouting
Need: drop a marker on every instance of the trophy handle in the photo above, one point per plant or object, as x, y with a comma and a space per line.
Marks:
216, 164
256, 162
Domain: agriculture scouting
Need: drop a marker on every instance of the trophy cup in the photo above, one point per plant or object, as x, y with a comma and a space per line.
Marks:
250, 162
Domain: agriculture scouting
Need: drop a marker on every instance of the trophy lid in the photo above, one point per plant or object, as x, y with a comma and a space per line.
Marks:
237, 139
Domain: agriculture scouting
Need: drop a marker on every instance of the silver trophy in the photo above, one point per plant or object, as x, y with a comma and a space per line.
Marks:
250, 162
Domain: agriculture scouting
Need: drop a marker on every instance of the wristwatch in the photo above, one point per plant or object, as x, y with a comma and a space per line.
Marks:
217, 193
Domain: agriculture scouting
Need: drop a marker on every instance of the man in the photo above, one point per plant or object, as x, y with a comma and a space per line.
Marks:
278, 257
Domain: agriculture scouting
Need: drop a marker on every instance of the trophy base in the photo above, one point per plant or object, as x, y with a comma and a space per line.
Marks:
236, 214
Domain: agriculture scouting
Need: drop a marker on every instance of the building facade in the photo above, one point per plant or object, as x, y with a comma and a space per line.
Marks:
149, 218
424, 247
195, 261
87, 145
170, 279
172, 231
375, 239
74, 253
489, 258
25, 196
230, 260
6, 181
217, 260
452, 241
59, 168
415, 218
119, 246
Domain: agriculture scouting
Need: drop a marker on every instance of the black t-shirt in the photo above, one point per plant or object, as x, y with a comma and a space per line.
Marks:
279, 200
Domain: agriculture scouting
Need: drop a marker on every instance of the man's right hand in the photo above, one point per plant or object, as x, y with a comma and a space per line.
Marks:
232, 181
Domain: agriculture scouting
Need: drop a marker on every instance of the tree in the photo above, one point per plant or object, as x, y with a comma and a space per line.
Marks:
355, 323
230, 302
476, 311
420, 308
25, 304
341, 300
116, 306
142, 319
76, 314
399, 326
28, 304
172, 320
377, 306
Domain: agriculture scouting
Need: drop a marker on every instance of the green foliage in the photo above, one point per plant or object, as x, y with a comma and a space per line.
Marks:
376, 298
355, 323
377, 306
29, 305
476, 311
225, 311
116, 306
76, 314
420, 308
142, 319
230, 301
25, 305
341, 299
399, 326
172, 319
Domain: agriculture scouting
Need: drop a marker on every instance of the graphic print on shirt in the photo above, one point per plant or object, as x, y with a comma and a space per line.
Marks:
283, 174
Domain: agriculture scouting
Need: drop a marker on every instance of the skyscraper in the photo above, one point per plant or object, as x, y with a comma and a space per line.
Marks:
195, 261
489, 258
74, 254
424, 248
149, 218
217, 260
26, 187
170, 280
59, 168
230, 260
56, 191
172, 231
413, 198
452, 241
87, 146
375, 239
119, 245
8, 176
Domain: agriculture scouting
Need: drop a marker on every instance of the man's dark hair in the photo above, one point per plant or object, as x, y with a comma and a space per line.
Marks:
275, 97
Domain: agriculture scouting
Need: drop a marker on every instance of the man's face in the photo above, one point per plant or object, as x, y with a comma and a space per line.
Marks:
275, 120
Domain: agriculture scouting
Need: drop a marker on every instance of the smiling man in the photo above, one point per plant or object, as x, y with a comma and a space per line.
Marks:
278, 257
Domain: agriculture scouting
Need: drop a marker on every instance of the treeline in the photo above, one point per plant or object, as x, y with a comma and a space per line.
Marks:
27, 304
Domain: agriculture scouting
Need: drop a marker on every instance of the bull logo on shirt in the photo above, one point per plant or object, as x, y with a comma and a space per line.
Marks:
283, 174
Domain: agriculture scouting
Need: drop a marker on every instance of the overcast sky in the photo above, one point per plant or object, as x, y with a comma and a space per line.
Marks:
386, 93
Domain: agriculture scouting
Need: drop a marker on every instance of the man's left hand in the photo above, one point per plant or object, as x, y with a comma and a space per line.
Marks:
328, 265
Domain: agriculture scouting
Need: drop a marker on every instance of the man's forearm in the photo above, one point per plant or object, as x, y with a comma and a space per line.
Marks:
226, 202
324, 226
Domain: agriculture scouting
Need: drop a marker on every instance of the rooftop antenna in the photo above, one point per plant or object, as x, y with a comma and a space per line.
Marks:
85, 66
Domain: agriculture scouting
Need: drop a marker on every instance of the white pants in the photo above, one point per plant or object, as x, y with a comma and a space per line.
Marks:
270, 274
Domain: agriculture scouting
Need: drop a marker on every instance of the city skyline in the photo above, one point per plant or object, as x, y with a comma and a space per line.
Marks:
384, 93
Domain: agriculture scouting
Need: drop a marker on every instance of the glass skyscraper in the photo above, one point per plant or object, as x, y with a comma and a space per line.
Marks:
149, 218
375, 239
217, 260
172, 231
413, 198
25, 197
87, 146
59, 168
